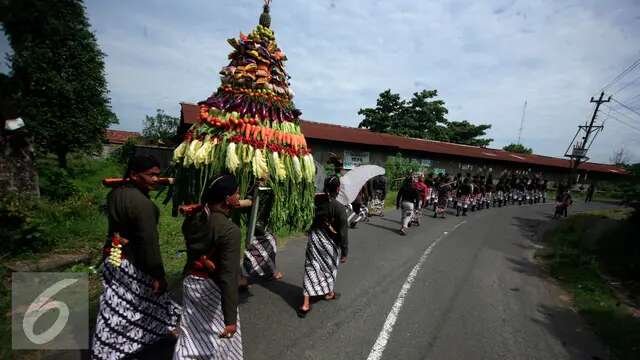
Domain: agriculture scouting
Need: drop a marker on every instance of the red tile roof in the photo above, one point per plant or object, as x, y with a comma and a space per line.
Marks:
331, 132
120, 136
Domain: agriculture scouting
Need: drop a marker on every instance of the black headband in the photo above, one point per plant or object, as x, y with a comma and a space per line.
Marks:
221, 187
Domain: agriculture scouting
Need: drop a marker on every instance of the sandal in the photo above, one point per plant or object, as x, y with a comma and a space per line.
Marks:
335, 296
302, 313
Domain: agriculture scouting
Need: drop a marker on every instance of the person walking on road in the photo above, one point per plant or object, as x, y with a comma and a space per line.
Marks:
407, 200
590, 190
327, 247
135, 310
210, 325
444, 187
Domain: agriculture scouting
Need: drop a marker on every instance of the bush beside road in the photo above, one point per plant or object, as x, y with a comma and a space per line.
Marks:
596, 257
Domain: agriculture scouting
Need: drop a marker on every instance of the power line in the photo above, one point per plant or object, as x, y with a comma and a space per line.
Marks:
623, 114
627, 85
624, 72
627, 107
624, 123
633, 98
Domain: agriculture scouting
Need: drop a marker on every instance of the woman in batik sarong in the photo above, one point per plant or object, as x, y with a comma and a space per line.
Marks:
327, 246
210, 325
135, 310
444, 186
260, 253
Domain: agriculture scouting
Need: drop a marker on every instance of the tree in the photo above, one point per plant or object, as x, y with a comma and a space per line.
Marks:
161, 128
422, 117
385, 115
463, 132
418, 117
518, 148
619, 157
425, 117
58, 70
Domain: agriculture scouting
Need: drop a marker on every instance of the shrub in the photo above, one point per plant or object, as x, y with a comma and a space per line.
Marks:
20, 231
56, 185
397, 168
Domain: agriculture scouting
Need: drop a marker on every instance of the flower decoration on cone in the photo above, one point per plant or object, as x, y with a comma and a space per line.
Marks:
250, 127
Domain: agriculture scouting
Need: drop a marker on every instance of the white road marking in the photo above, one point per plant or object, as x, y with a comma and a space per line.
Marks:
387, 328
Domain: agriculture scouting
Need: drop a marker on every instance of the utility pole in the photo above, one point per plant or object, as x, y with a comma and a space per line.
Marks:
577, 151
524, 111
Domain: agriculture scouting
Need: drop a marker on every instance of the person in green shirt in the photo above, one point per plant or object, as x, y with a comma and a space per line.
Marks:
135, 310
210, 325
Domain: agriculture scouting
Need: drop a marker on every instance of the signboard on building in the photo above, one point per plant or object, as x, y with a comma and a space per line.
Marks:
355, 158
463, 166
424, 163
439, 171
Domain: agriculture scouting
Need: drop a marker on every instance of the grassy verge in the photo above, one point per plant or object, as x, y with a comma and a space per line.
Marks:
390, 201
578, 261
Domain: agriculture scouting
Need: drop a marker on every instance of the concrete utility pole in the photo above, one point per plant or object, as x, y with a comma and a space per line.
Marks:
577, 150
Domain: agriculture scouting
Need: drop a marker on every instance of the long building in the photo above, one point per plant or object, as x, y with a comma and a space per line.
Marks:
360, 146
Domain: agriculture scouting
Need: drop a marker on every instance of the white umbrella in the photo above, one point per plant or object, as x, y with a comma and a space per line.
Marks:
352, 182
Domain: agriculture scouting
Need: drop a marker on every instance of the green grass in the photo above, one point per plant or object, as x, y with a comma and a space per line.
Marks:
390, 201
579, 270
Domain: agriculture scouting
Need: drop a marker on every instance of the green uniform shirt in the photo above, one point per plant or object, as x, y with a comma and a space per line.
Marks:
217, 237
135, 217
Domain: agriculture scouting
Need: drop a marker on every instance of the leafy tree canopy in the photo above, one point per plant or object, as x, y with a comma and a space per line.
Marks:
518, 148
463, 132
58, 72
423, 116
161, 128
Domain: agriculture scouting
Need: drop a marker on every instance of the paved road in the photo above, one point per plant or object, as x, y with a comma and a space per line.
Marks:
469, 290
478, 295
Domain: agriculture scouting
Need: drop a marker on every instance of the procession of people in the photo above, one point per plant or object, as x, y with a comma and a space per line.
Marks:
463, 194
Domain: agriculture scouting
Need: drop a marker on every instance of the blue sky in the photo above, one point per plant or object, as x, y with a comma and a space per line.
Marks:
484, 58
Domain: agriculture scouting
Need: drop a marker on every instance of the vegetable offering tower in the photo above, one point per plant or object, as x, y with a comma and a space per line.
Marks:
250, 127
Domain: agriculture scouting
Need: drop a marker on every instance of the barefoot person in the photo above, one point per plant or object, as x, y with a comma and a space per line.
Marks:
328, 244
210, 325
135, 310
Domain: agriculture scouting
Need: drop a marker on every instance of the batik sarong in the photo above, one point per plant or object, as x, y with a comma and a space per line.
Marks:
320, 264
260, 256
202, 322
131, 316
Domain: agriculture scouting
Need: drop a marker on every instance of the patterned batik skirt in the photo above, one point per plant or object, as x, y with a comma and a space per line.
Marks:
260, 256
131, 316
320, 264
202, 322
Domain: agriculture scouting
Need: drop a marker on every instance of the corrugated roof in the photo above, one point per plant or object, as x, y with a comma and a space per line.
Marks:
120, 136
331, 132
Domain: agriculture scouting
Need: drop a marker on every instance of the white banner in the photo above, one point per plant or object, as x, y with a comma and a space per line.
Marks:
355, 158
